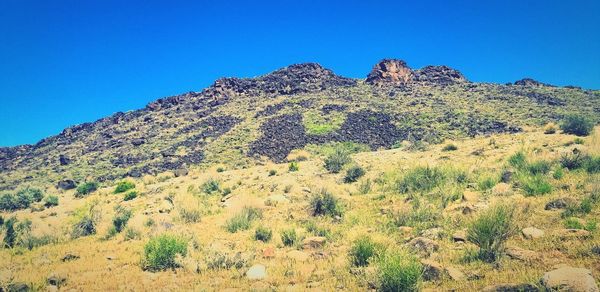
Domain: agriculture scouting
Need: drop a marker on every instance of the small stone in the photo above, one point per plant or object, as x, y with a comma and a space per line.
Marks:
424, 245
257, 272
511, 287
180, 172
314, 242
532, 233
297, 255
111, 257
459, 236
56, 280
455, 274
65, 184
268, 252
558, 204
432, 271
569, 279
522, 254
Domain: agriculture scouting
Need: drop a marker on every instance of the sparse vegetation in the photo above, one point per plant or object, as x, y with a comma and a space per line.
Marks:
210, 186
450, 147
491, 230
86, 189
160, 252
21, 200
335, 161
325, 204
243, 220
263, 234
86, 219
189, 215
51, 201
289, 237
293, 166
421, 179
398, 270
576, 125
130, 196
353, 174
361, 252
535, 185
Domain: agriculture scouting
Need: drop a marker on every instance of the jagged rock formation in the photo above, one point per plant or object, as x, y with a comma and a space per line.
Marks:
241, 118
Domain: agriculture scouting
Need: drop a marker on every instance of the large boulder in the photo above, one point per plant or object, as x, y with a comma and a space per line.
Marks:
570, 279
390, 71
66, 184
256, 272
440, 75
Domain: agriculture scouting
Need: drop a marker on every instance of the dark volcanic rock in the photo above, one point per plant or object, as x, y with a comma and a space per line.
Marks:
328, 108
441, 75
372, 128
65, 184
64, 160
390, 71
529, 82
280, 136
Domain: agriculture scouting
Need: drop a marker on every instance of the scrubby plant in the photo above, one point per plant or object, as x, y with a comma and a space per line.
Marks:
420, 216
550, 128
10, 234
361, 252
450, 147
131, 234
335, 161
86, 219
535, 185
491, 230
539, 167
592, 164
486, 183
421, 179
85, 189
293, 166
574, 223
220, 169
21, 200
189, 215
243, 220
399, 270
263, 234
316, 230
272, 172
289, 237
353, 174
130, 196
325, 204
574, 160
160, 252
51, 201
558, 173
578, 141
121, 218
210, 186
518, 160
576, 125
124, 186
364, 187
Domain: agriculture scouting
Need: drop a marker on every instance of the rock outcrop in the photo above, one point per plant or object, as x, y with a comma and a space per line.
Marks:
390, 71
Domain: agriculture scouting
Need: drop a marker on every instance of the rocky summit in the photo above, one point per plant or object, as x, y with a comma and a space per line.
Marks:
301, 179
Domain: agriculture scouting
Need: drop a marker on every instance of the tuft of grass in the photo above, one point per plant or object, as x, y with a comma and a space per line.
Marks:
574, 223
160, 252
130, 196
293, 166
450, 147
86, 219
21, 200
353, 174
486, 183
365, 187
121, 218
419, 216
263, 234
189, 215
539, 167
361, 252
550, 128
421, 179
51, 201
577, 125
123, 186
289, 237
210, 186
491, 230
334, 162
86, 189
518, 160
325, 204
243, 220
399, 271
272, 172
535, 185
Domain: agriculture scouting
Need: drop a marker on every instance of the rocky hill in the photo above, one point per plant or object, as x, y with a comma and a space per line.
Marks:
237, 122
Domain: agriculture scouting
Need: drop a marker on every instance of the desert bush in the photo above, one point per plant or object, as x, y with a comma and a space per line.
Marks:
21, 200
124, 186
130, 196
335, 161
550, 128
131, 234
558, 173
263, 234
518, 160
210, 186
592, 164
86, 219
353, 174
189, 215
243, 220
272, 172
419, 216
576, 125
293, 166
325, 204
316, 230
399, 271
365, 187
421, 179
450, 147
160, 252
535, 185
574, 160
51, 201
361, 252
539, 167
486, 183
10, 234
491, 230
217, 260
121, 218
85, 189
289, 237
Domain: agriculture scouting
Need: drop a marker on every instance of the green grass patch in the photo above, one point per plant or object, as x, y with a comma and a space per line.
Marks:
160, 252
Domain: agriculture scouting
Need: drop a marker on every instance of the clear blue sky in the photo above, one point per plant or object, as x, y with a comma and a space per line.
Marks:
68, 62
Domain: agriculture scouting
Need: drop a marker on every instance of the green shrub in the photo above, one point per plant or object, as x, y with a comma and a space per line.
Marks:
160, 252
317, 230
293, 166
572, 161
86, 220
272, 172
124, 186
399, 271
289, 237
210, 186
362, 250
85, 189
592, 165
486, 183
421, 179
263, 234
21, 200
535, 185
353, 174
558, 173
576, 125
130, 196
574, 223
491, 230
121, 218
335, 161
578, 141
10, 234
33, 195
539, 167
324, 203
450, 147
243, 220
220, 169
51, 201
518, 160
365, 187
131, 234
189, 215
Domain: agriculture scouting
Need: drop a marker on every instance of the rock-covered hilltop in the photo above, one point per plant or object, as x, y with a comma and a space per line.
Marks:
239, 120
